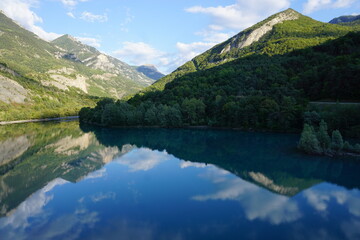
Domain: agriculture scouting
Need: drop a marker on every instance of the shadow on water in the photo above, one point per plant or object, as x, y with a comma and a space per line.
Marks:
266, 159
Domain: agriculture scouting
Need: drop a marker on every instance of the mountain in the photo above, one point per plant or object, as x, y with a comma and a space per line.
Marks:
280, 33
350, 21
266, 85
150, 71
91, 57
345, 19
40, 79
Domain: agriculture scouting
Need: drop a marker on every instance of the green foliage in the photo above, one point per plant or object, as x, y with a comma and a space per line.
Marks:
314, 141
342, 116
308, 141
337, 142
193, 111
323, 136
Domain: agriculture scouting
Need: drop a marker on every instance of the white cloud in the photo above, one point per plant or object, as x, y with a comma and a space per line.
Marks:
128, 19
143, 159
20, 11
316, 5
90, 17
71, 3
186, 164
215, 36
31, 207
319, 199
240, 15
103, 196
94, 42
190, 50
139, 53
258, 203
97, 174
70, 14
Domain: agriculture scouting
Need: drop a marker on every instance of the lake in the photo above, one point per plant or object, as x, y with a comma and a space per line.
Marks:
65, 181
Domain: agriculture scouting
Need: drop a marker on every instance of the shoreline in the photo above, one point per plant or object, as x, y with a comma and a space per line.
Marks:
39, 120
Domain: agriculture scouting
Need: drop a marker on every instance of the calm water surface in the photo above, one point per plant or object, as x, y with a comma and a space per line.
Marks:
60, 181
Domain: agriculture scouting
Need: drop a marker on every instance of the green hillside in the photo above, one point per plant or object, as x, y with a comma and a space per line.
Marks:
291, 31
40, 79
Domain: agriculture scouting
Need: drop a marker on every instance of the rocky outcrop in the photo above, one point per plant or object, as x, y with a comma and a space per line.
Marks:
11, 91
61, 79
246, 38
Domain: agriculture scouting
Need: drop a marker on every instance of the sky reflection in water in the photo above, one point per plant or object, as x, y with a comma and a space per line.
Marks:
151, 194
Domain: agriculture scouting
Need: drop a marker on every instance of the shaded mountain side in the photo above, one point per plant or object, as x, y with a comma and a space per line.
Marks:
150, 71
247, 155
278, 34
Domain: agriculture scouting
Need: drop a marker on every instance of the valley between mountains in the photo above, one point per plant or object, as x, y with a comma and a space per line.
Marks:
261, 78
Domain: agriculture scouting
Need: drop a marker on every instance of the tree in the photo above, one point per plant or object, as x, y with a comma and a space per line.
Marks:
323, 136
150, 116
337, 142
308, 141
193, 111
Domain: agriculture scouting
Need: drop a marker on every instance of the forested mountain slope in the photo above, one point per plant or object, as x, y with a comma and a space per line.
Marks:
281, 33
258, 91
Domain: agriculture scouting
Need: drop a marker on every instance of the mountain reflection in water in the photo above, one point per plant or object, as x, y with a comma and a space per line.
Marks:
59, 181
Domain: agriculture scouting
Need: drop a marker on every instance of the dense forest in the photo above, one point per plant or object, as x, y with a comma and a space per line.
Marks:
255, 92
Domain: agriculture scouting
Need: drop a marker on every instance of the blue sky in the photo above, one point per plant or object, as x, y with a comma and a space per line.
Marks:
165, 33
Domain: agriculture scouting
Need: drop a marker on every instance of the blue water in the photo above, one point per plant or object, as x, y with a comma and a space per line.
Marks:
96, 183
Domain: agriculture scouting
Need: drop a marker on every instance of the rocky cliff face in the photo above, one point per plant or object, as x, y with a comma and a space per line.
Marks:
248, 37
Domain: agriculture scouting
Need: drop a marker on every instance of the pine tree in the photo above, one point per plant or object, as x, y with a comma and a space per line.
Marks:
323, 136
308, 141
337, 142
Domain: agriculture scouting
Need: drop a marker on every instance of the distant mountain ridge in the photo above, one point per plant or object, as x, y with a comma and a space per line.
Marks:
345, 19
150, 71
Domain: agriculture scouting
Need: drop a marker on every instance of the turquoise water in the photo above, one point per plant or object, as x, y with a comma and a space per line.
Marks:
60, 181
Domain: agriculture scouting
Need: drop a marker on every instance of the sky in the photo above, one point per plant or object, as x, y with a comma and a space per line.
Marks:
165, 33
